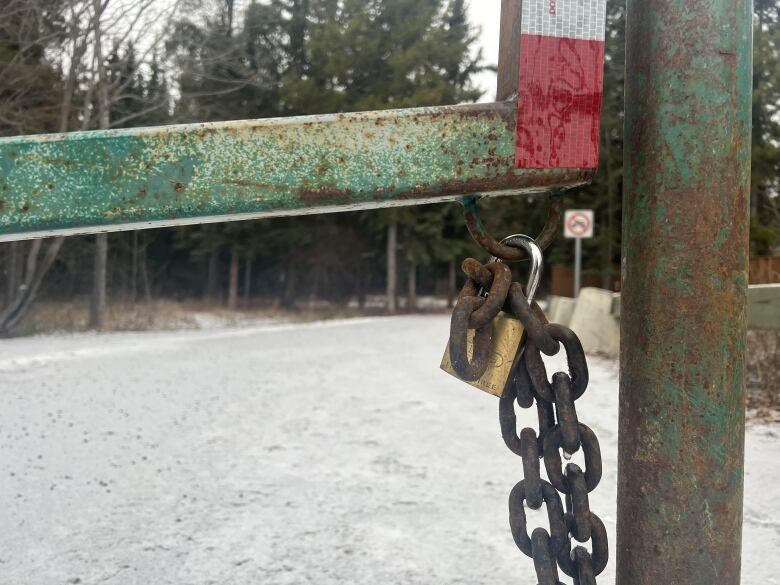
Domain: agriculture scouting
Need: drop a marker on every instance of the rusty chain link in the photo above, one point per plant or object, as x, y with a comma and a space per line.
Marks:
501, 250
559, 425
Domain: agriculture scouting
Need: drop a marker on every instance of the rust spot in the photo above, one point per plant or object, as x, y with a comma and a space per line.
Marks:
179, 187
26, 207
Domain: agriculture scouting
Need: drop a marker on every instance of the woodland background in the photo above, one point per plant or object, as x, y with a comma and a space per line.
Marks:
77, 65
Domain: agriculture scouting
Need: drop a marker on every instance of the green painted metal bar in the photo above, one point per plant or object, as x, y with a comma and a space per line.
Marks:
115, 180
686, 217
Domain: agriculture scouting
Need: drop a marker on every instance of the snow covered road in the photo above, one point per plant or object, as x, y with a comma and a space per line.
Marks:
328, 453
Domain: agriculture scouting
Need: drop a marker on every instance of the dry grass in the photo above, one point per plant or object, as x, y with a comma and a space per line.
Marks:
166, 315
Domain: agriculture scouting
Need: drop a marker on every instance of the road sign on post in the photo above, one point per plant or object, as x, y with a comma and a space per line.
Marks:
578, 224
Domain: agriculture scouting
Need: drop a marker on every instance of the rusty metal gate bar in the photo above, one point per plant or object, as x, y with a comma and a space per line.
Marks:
683, 315
86, 182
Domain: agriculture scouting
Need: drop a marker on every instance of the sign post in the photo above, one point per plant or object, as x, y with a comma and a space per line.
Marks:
578, 225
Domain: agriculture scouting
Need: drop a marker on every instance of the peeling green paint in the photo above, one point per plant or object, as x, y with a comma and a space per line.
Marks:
683, 314
97, 181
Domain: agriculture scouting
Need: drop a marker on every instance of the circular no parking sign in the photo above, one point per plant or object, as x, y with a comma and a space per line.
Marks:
578, 224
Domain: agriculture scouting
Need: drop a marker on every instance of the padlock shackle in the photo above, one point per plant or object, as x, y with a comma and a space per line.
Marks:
537, 261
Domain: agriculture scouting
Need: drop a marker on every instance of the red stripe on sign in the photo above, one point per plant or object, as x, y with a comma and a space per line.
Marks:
559, 110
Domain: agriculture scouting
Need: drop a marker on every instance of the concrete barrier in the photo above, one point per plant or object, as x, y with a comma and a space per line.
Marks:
763, 307
595, 315
560, 309
594, 323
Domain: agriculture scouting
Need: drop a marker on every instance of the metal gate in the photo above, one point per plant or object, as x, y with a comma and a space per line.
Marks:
686, 215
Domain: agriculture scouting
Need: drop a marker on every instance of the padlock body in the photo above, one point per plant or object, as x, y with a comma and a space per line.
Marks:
507, 336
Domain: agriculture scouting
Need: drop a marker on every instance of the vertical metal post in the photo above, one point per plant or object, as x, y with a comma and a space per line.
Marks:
687, 157
577, 267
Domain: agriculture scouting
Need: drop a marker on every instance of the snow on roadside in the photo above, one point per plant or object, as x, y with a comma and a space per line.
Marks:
333, 452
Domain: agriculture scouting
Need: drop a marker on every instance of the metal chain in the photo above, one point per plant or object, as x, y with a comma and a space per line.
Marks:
559, 426
501, 250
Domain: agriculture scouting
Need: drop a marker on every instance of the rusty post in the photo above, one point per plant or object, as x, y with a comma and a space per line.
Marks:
683, 317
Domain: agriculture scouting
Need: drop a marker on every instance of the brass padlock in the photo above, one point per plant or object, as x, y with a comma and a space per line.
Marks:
507, 331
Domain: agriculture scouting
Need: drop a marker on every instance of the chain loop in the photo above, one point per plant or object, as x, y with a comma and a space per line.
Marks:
518, 523
520, 384
508, 421
533, 326
479, 277
567, 413
552, 458
508, 253
496, 297
529, 447
575, 356
577, 503
476, 367
584, 564
544, 562
600, 555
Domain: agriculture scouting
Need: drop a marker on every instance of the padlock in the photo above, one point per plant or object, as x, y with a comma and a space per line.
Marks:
507, 334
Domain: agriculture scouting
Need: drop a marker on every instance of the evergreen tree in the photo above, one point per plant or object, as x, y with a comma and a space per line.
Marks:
317, 56
765, 183
30, 83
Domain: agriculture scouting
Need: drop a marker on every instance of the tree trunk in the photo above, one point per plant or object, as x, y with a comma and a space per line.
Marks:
452, 283
97, 314
411, 299
290, 281
212, 280
247, 281
362, 277
392, 267
14, 269
143, 269
97, 309
233, 284
23, 294
134, 271
33, 278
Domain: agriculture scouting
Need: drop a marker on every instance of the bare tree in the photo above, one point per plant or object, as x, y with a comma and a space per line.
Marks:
233, 281
24, 284
97, 308
128, 22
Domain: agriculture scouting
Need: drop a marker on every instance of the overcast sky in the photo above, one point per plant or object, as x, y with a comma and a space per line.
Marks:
487, 15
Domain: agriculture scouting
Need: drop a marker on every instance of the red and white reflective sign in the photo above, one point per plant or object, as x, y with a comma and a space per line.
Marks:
561, 83
578, 224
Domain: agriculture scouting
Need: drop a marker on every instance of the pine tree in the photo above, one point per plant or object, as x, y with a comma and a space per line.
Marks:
765, 183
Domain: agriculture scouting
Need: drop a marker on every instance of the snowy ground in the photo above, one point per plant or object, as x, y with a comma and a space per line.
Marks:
324, 453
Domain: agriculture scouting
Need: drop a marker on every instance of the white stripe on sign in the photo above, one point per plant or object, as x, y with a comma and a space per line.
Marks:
571, 19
